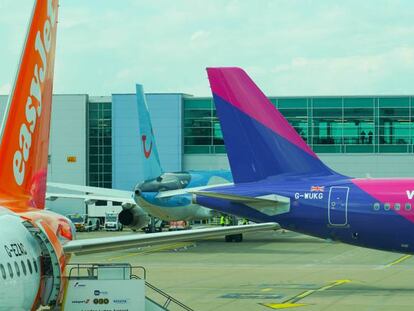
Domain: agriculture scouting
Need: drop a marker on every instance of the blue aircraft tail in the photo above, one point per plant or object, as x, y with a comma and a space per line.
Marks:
260, 142
149, 154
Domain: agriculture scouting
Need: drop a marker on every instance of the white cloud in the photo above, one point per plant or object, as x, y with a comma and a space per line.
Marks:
381, 73
199, 35
289, 47
5, 89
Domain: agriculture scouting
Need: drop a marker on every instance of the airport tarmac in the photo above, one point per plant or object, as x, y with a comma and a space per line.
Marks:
272, 271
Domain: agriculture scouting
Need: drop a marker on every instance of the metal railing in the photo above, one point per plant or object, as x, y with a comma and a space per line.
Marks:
170, 303
90, 271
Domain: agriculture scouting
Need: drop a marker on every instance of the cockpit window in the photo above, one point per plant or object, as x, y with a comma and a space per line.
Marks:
165, 182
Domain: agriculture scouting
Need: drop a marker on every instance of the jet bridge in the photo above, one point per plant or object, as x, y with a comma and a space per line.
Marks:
100, 287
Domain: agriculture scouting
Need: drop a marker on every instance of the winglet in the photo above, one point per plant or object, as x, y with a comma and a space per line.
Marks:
25, 128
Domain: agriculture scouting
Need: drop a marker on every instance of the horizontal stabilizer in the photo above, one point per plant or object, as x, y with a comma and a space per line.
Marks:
138, 240
171, 193
270, 205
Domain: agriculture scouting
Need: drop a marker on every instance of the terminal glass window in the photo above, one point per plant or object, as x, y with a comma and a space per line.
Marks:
394, 124
295, 110
201, 128
342, 124
100, 144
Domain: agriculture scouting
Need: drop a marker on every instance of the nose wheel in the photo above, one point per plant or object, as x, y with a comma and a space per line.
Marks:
234, 238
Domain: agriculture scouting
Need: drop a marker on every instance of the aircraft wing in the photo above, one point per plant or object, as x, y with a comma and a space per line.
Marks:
138, 240
51, 196
92, 190
170, 193
270, 205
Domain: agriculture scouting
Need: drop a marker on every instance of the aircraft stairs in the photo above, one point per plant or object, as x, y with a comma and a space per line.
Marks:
165, 301
120, 284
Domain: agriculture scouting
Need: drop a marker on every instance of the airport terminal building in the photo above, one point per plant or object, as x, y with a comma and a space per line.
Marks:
95, 140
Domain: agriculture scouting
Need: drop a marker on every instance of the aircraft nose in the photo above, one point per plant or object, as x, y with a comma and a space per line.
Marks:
138, 191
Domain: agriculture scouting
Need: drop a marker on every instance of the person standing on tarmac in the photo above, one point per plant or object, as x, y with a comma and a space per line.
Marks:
228, 220
222, 220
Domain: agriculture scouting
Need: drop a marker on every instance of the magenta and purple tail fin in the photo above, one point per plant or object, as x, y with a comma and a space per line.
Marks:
260, 142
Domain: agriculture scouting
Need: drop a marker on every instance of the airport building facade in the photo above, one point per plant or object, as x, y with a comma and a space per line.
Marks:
95, 141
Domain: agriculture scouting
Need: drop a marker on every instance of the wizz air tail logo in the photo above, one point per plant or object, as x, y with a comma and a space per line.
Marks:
147, 152
410, 194
33, 111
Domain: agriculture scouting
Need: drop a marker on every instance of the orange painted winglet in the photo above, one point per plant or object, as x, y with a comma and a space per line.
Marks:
24, 136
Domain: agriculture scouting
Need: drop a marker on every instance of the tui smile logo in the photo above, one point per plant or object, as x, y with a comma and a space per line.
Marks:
147, 152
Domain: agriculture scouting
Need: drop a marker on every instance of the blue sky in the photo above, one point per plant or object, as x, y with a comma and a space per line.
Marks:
289, 47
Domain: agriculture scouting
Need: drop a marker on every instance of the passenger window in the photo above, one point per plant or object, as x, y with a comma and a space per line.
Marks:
377, 206
408, 206
35, 264
397, 206
16, 267
29, 264
9, 267
3, 271
23, 267
387, 206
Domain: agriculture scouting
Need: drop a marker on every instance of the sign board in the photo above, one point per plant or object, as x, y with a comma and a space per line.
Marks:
71, 159
104, 295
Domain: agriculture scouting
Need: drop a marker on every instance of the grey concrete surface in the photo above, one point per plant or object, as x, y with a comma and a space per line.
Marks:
273, 268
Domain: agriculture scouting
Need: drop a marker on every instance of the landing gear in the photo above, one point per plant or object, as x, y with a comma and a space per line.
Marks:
232, 221
151, 225
155, 225
234, 238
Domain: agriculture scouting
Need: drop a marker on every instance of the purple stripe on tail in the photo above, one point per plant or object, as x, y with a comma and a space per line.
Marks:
255, 149
235, 86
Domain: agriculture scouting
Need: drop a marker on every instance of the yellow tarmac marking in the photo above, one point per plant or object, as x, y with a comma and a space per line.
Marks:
292, 302
399, 260
153, 250
266, 289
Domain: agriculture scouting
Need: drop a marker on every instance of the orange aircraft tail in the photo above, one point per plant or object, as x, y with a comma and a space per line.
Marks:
24, 136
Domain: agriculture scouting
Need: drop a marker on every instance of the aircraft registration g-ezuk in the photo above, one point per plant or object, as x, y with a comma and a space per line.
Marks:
35, 244
278, 178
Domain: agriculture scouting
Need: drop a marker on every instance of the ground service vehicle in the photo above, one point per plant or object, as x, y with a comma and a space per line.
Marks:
112, 222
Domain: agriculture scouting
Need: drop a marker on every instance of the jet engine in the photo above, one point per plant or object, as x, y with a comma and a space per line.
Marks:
134, 217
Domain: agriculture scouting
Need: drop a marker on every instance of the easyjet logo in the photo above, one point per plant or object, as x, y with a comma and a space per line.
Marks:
147, 153
33, 110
